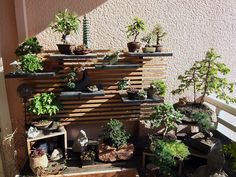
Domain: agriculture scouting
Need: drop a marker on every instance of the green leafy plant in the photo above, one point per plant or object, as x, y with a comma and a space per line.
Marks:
167, 152
159, 86
122, 84
30, 63
148, 38
72, 78
111, 59
165, 115
115, 133
230, 149
159, 33
44, 104
204, 121
204, 77
134, 29
65, 22
31, 45
142, 94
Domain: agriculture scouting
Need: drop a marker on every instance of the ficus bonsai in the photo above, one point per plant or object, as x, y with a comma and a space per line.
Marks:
207, 77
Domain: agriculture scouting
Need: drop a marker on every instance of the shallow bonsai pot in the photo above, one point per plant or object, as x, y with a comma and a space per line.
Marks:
134, 46
41, 126
133, 94
65, 48
152, 94
149, 49
159, 48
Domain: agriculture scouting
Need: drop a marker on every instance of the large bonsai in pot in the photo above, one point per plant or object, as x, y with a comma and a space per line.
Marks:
65, 23
115, 146
157, 89
134, 29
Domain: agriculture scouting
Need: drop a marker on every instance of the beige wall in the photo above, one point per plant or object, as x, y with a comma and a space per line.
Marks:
192, 27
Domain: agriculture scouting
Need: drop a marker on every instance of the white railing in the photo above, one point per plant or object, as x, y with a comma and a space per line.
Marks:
226, 116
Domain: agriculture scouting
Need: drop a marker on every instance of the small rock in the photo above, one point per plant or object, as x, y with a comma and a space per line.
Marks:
32, 132
81, 142
56, 154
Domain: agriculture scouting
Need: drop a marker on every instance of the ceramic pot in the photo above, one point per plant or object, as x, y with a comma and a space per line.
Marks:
134, 46
65, 48
149, 49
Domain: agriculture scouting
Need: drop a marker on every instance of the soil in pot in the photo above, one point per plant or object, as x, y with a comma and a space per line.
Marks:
65, 48
134, 46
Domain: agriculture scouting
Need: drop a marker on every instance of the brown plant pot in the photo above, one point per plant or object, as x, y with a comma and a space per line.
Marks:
159, 48
65, 48
149, 49
133, 94
134, 46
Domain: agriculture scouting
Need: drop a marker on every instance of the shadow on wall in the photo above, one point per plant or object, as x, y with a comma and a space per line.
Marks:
42, 12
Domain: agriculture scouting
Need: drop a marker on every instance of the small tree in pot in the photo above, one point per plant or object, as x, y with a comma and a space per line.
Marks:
65, 23
148, 48
31, 63
134, 30
157, 88
159, 33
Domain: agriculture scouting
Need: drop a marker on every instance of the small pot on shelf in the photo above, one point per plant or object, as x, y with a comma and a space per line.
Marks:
159, 48
149, 49
134, 46
132, 93
66, 48
42, 124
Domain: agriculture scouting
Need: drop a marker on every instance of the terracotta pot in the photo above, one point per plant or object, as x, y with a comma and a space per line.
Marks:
38, 162
149, 49
134, 46
159, 48
65, 48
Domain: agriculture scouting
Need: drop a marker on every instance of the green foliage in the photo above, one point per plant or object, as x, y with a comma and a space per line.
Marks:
85, 31
134, 29
165, 115
204, 77
122, 84
230, 149
166, 152
112, 59
159, 86
114, 131
204, 121
71, 78
44, 104
31, 45
148, 38
159, 33
65, 23
30, 63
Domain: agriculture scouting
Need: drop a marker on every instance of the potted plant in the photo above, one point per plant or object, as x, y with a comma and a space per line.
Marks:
142, 95
148, 48
31, 63
65, 22
167, 154
44, 104
159, 33
132, 93
72, 79
205, 77
134, 30
30, 45
165, 116
157, 88
115, 146
81, 50
38, 160
112, 58
122, 84
230, 150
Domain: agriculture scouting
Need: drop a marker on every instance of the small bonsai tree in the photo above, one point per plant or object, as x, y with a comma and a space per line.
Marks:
115, 133
165, 115
135, 28
30, 63
72, 78
230, 149
147, 39
111, 59
204, 77
31, 45
122, 84
65, 23
44, 104
166, 152
159, 33
159, 86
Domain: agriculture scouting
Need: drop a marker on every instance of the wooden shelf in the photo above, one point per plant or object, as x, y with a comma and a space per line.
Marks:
155, 54
73, 57
124, 98
128, 65
30, 75
79, 94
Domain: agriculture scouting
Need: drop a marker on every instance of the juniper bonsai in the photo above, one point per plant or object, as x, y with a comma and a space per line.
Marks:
205, 77
159, 33
135, 28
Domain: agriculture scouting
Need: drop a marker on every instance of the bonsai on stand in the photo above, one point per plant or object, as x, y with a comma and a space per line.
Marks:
134, 30
157, 89
159, 33
65, 23
148, 48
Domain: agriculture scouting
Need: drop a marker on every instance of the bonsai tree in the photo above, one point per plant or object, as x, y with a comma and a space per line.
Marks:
30, 63
205, 77
230, 149
122, 84
44, 104
72, 78
133, 30
159, 33
31, 45
157, 88
147, 39
165, 115
115, 134
166, 153
111, 59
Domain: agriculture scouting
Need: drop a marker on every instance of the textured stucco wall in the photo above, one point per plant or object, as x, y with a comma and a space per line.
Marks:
192, 27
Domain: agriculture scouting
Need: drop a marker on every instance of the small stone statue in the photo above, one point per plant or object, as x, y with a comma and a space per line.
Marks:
32, 132
81, 142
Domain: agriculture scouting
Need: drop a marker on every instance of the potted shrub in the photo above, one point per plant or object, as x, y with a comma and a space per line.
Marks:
205, 77
159, 33
142, 95
38, 160
148, 48
122, 84
44, 104
81, 50
65, 22
157, 88
31, 45
132, 93
72, 79
134, 30
167, 154
230, 150
31, 63
115, 146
